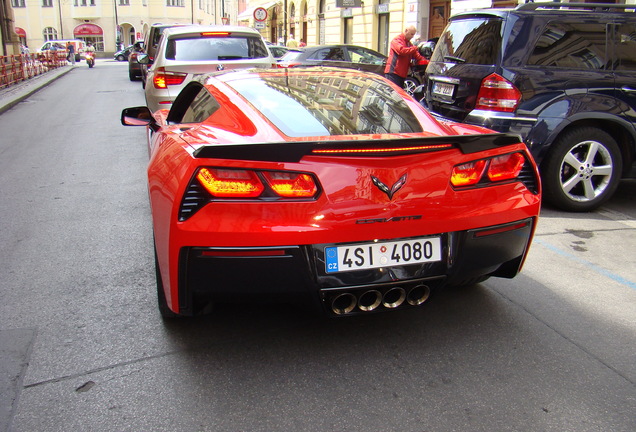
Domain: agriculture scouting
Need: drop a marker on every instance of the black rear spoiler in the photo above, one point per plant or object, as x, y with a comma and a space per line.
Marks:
296, 150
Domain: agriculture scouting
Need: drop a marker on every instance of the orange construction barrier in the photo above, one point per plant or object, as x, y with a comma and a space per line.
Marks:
17, 68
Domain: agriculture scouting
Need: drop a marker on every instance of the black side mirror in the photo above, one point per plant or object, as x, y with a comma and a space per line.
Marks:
136, 116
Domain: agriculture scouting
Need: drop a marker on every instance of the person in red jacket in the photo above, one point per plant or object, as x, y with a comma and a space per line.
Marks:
401, 53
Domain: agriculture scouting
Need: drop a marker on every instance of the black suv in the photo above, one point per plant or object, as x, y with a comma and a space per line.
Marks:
561, 75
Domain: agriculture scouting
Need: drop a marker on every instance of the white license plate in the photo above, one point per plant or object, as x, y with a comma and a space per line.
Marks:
382, 254
443, 89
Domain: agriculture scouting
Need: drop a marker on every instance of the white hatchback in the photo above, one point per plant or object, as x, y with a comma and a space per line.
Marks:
185, 52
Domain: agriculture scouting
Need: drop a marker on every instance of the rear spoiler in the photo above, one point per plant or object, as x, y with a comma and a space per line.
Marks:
294, 151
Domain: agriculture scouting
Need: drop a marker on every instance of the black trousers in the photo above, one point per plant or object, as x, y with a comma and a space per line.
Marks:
395, 78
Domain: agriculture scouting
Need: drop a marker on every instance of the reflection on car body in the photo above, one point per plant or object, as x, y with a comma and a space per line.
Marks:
328, 187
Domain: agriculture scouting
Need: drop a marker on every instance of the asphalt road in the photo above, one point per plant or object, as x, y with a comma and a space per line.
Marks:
83, 348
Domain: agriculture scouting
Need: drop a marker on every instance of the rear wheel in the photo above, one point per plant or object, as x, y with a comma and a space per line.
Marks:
120, 58
582, 170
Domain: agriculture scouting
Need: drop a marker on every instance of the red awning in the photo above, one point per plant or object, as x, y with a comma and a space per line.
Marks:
88, 30
20, 32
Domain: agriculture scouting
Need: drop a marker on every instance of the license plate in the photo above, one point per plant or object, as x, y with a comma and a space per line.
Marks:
382, 254
443, 89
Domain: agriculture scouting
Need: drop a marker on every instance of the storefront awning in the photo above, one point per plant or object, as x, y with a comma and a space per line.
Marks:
20, 32
248, 13
88, 30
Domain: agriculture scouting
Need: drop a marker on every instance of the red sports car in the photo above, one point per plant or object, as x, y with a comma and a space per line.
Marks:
328, 185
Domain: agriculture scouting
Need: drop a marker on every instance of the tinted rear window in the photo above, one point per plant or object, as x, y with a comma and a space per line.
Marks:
216, 48
470, 40
329, 105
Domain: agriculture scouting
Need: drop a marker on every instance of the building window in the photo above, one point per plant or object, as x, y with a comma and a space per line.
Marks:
124, 2
47, 3
18, 3
49, 33
177, 3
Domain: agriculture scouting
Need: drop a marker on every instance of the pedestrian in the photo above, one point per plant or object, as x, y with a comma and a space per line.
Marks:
291, 42
71, 53
401, 53
302, 44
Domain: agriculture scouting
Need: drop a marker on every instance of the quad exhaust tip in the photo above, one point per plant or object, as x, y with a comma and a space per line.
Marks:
370, 300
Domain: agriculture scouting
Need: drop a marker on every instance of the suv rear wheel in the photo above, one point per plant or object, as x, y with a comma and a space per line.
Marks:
582, 170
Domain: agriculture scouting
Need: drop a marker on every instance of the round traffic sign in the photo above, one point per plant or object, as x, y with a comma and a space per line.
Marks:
260, 14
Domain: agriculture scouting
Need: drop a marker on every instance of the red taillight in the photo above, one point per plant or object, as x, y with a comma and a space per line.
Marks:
235, 183
291, 185
497, 94
505, 167
226, 183
468, 174
499, 168
162, 79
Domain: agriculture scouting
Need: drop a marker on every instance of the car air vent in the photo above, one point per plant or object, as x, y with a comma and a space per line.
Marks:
528, 177
194, 198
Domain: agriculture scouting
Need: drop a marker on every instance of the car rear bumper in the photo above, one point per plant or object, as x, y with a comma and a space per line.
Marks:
299, 272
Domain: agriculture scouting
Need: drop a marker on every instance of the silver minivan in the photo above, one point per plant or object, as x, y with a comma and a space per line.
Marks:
184, 52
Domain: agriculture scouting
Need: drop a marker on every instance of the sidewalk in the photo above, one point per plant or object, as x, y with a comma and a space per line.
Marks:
13, 95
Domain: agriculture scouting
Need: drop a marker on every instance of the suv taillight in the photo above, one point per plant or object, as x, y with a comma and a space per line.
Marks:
162, 79
497, 94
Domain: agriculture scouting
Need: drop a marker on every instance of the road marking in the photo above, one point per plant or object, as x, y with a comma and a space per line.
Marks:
591, 266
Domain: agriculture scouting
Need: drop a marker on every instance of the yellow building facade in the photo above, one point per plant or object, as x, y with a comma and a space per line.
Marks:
111, 24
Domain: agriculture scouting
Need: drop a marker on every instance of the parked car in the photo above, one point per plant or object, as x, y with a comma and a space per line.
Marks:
279, 51
184, 52
134, 67
329, 186
561, 75
122, 54
347, 56
151, 42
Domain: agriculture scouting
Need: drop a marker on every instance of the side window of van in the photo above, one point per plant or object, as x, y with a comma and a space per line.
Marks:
571, 45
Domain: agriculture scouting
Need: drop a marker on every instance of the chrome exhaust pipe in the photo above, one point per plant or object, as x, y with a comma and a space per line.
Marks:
370, 300
418, 295
394, 297
343, 303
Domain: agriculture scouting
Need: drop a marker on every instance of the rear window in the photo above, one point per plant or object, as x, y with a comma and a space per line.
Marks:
216, 48
330, 105
470, 40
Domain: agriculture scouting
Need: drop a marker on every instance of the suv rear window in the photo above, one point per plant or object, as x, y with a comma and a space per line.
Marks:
474, 40
216, 48
571, 45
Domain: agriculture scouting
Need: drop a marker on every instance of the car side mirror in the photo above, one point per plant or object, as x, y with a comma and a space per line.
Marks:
143, 59
136, 116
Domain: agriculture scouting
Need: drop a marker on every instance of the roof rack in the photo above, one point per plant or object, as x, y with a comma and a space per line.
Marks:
581, 6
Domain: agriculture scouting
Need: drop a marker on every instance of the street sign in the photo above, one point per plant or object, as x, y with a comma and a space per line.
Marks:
259, 25
260, 14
